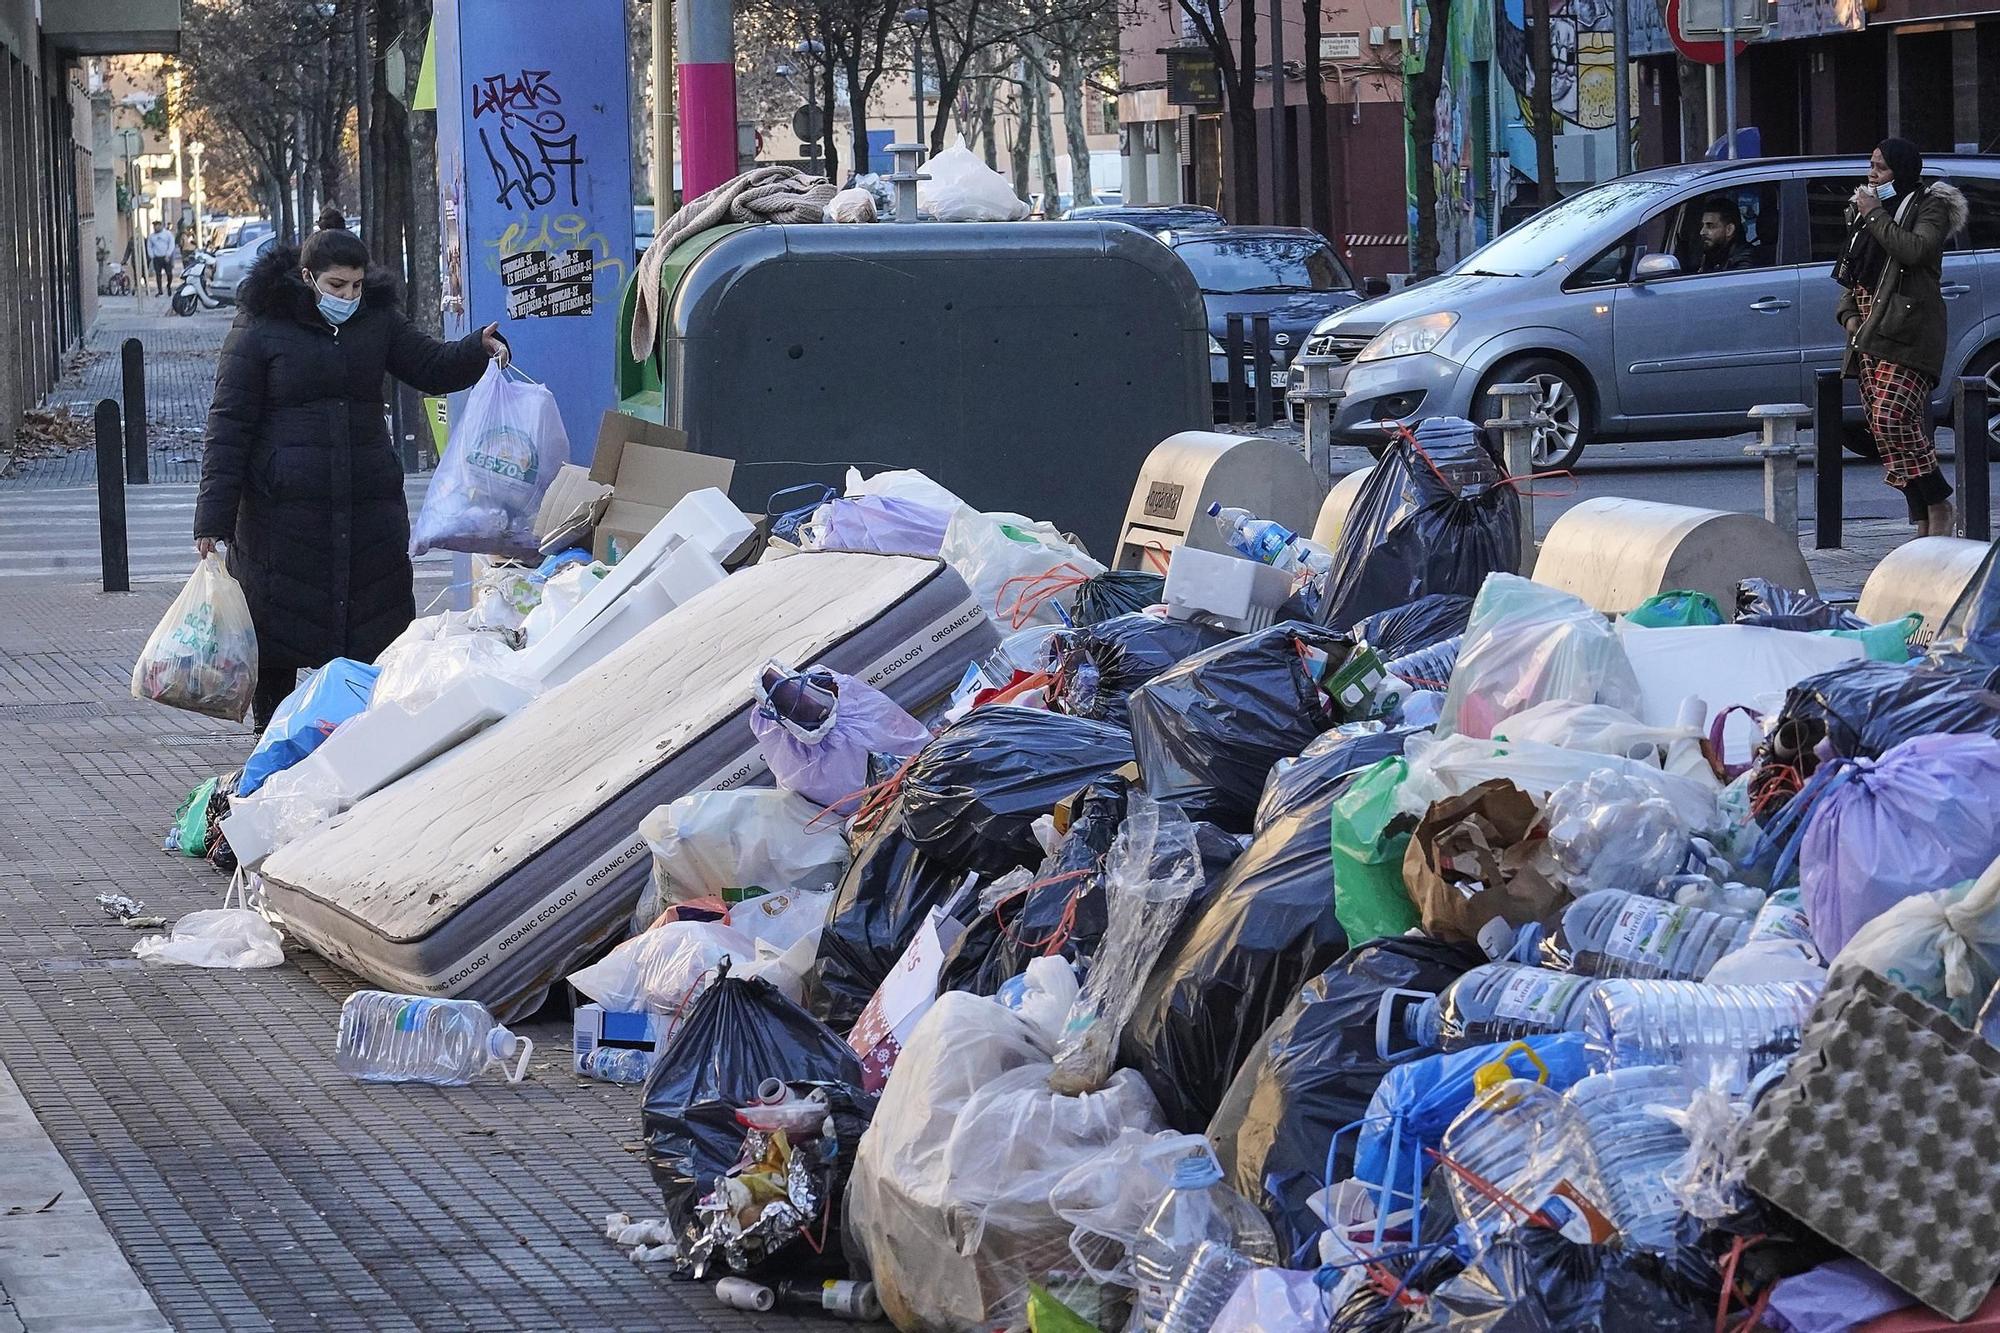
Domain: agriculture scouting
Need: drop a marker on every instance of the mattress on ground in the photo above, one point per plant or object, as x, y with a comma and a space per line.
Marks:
491, 872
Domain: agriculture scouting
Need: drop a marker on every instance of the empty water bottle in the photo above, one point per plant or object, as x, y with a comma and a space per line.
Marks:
1198, 1208
1497, 1002
1613, 933
1260, 539
1520, 1149
387, 1038
1206, 1282
1783, 917
1708, 1032
620, 1064
1635, 1148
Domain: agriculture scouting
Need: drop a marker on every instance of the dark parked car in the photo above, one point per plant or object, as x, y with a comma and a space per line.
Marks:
1288, 273
1156, 219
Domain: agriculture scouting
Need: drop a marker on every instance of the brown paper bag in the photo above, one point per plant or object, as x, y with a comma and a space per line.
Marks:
1479, 867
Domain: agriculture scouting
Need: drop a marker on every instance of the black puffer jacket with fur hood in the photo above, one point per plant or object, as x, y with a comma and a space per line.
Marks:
299, 474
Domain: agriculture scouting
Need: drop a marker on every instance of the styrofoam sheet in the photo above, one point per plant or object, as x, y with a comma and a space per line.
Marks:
1723, 666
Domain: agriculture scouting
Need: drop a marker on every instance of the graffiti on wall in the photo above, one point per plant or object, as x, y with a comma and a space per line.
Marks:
1454, 164
529, 146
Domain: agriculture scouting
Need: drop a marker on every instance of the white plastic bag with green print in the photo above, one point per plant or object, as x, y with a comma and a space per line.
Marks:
502, 455
203, 654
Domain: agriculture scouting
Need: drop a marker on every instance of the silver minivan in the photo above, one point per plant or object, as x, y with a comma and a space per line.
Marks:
1599, 301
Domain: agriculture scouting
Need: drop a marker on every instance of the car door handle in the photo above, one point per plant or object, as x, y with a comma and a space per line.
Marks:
1953, 289
1770, 304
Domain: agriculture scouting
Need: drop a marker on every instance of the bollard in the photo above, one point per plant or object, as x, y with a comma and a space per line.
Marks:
1260, 368
906, 157
1317, 398
1517, 445
1973, 439
1780, 452
1829, 458
133, 356
1232, 359
111, 499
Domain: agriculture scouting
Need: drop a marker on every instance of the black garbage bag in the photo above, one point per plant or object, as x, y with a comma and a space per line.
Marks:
1348, 749
1207, 731
1864, 709
1970, 632
1117, 592
1237, 962
1099, 666
971, 796
739, 1032
1535, 1280
887, 892
1402, 630
1313, 1073
1762, 602
1432, 517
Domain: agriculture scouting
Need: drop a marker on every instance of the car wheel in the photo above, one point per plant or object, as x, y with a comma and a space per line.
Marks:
1561, 408
1985, 365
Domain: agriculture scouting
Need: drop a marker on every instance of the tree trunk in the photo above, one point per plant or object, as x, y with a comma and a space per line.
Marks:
987, 125
639, 65
1541, 56
827, 144
1070, 81
1422, 113
1045, 130
1242, 97
857, 113
1024, 128
417, 179
1319, 147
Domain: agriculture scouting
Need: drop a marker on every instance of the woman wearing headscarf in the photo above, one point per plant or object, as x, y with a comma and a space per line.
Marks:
1894, 316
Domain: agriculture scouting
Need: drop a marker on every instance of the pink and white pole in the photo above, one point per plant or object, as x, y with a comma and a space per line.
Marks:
707, 87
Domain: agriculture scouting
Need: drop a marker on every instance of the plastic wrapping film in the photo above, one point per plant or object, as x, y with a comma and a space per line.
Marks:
712, 844
1526, 644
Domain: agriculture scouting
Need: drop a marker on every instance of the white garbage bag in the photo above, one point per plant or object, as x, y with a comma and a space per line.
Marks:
226, 937
663, 969
436, 652
1457, 764
1526, 644
1019, 570
560, 595
962, 188
851, 205
713, 842
501, 457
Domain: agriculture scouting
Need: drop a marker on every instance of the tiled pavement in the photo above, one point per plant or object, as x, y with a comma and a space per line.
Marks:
249, 1183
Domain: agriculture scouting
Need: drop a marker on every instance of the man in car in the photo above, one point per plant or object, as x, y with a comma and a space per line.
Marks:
1722, 245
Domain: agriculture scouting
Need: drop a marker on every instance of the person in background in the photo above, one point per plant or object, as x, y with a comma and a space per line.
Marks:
298, 475
160, 250
1894, 315
1722, 245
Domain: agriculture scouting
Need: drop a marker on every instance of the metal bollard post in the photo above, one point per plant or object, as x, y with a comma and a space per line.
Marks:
1232, 360
133, 356
1317, 396
1780, 451
1829, 458
1516, 424
1973, 439
1260, 368
111, 499
906, 157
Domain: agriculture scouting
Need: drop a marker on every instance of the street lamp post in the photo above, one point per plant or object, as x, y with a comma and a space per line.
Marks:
917, 16
195, 150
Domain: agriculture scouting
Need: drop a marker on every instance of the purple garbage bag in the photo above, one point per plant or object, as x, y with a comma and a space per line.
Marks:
1833, 1298
1924, 816
881, 523
817, 728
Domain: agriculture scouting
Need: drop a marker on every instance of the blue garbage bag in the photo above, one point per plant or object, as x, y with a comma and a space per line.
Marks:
327, 698
1416, 1102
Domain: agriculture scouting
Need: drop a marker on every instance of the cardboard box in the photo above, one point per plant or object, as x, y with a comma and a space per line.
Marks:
649, 469
571, 509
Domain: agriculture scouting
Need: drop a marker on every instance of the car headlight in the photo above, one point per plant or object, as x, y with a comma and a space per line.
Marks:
1408, 337
1214, 347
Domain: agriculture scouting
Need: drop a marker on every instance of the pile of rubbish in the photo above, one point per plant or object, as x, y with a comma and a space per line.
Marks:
1421, 949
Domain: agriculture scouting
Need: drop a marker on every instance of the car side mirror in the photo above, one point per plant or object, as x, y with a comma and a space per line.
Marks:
1652, 267
1374, 286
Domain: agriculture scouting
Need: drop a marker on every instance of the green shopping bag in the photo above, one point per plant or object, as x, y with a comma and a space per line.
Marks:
188, 834
1886, 642
1678, 608
1369, 898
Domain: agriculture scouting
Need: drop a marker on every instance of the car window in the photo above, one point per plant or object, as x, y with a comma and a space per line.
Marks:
1982, 196
1613, 264
1756, 243
1232, 265
1547, 238
1826, 215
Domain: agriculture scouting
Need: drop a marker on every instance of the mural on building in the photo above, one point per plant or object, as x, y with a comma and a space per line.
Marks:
1796, 18
1457, 153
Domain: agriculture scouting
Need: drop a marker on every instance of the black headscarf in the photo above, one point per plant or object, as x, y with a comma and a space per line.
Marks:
1866, 257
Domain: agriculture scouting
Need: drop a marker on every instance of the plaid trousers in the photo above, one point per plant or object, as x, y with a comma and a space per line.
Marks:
1897, 401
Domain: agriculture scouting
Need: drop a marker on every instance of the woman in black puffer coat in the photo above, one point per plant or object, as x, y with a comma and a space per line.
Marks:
298, 476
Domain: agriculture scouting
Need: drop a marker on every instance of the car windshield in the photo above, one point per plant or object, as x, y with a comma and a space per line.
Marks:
1236, 265
1553, 235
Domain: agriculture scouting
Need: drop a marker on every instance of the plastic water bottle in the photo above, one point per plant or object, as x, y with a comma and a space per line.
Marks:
620, 1064
1497, 1002
1198, 1208
1703, 1030
1635, 1148
388, 1038
1260, 539
1783, 917
1529, 1149
1613, 933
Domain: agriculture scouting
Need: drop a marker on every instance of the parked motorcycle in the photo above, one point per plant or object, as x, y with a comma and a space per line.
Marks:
193, 293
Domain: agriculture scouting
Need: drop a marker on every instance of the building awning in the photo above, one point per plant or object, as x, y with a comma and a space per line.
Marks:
1139, 105
112, 27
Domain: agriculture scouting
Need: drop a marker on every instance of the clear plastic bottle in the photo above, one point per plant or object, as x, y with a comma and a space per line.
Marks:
1497, 1002
1705, 1031
1198, 1208
620, 1064
1635, 1148
1260, 539
1613, 933
387, 1038
1783, 917
1521, 1148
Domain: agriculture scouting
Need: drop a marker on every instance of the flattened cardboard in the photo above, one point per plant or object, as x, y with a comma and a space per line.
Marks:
649, 469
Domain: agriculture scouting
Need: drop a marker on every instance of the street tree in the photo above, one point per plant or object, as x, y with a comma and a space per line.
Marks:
1420, 110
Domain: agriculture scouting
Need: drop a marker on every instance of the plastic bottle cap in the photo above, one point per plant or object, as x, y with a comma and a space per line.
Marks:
1214, 508
1197, 1172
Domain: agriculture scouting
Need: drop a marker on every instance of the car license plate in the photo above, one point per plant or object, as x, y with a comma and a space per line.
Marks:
1279, 378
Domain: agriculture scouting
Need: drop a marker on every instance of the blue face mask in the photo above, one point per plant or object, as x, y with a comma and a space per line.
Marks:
337, 309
